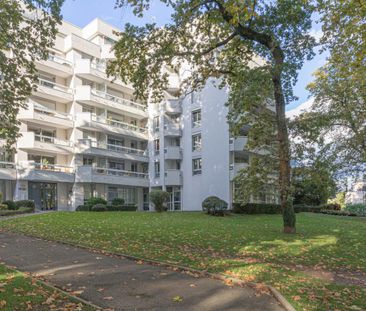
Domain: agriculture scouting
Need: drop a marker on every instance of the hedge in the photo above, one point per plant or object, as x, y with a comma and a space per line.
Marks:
306, 208
256, 208
25, 203
11, 205
109, 208
23, 210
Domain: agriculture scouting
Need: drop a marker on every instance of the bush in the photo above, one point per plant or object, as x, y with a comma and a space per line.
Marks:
331, 207
256, 208
3, 207
122, 208
11, 205
94, 201
359, 209
306, 208
159, 198
99, 208
83, 208
25, 203
214, 206
337, 213
22, 210
118, 201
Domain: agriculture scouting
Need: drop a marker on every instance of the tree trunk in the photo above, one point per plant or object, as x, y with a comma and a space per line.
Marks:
288, 213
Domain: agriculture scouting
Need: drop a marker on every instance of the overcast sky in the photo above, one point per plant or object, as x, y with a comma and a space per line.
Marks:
81, 12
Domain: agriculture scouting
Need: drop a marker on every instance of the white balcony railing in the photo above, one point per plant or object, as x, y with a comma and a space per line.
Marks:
52, 140
119, 124
44, 110
59, 60
119, 100
115, 172
98, 65
54, 168
118, 148
55, 86
9, 165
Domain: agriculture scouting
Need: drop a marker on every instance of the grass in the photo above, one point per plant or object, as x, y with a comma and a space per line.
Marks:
21, 292
249, 247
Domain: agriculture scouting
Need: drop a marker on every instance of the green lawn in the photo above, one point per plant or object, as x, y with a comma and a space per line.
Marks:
21, 292
249, 247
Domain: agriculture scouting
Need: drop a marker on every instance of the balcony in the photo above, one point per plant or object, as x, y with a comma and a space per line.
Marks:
173, 177
7, 170
30, 170
235, 168
53, 91
57, 66
75, 42
85, 94
42, 115
92, 122
102, 175
173, 153
107, 51
41, 143
97, 71
173, 106
238, 143
173, 82
87, 146
172, 129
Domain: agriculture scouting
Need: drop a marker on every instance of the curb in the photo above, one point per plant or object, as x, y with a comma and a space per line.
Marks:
203, 273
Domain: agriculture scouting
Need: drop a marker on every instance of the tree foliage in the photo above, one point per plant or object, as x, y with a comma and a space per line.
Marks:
215, 39
28, 29
336, 123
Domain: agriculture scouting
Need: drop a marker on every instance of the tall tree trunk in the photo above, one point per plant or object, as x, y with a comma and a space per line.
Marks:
288, 213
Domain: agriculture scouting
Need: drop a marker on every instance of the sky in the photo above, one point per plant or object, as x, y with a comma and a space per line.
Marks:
81, 12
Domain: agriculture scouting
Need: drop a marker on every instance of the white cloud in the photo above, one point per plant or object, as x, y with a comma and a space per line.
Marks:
306, 106
316, 33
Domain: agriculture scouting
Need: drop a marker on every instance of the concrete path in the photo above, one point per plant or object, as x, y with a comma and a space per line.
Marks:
122, 284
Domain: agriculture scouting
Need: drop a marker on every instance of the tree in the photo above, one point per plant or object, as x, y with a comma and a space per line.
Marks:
28, 29
159, 198
337, 121
219, 39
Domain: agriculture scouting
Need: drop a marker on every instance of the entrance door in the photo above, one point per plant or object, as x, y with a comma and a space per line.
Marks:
44, 195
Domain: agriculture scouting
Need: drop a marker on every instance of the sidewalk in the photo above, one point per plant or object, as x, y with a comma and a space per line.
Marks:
122, 284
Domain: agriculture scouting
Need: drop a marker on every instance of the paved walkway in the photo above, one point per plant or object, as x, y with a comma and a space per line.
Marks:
123, 284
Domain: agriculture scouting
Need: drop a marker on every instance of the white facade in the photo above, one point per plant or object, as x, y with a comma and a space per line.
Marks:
357, 195
84, 135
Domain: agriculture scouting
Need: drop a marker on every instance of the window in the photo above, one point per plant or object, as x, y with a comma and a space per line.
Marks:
157, 146
116, 166
46, 136
128, 194
39, 159
133, 167
196, 142
197, 166
87, 161
156, 124
196, 118
157, 169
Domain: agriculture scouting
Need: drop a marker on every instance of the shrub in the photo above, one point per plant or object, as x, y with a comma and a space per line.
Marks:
159, 198
22, 210
337, 213
306, 208
359, 209
214, 206
122, 208
11, 205
118, 201
3, 207
331, 207
99, 208
256, 208
94, 201
83, 208
25, 203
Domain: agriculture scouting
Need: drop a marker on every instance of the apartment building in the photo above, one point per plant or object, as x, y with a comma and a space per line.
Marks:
84, 134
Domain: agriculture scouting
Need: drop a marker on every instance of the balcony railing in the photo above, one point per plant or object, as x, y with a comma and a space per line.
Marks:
54, 168
44, 110
119, 124
99, 65
119, 148
114, 172
52, 140
55, 86
4, 164
59, 60
118, 100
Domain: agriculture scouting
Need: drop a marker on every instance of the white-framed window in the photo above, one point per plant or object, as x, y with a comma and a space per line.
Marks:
196, 118
196, 142
156, 124
157, 169
197, 166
